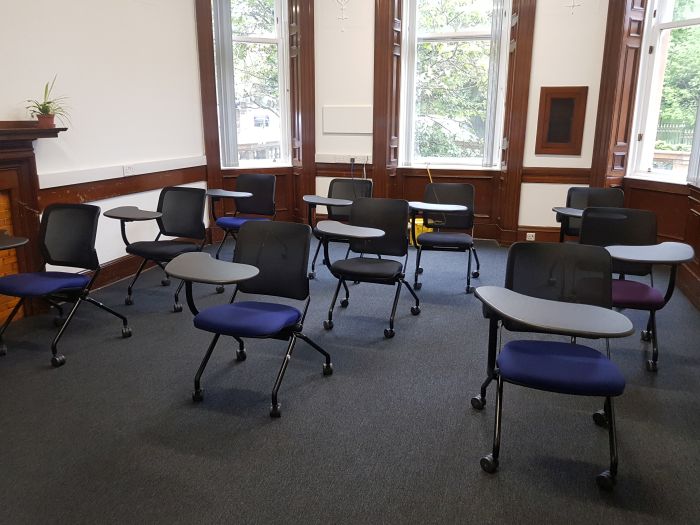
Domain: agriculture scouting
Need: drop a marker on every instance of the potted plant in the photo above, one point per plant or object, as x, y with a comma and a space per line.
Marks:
45, 110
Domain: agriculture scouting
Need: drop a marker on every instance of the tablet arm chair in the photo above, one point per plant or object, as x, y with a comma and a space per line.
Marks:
262, 202
280, 250
341, 188
448, 228
391, 216
625, 226
67, 236
582, 198
182, 216
568, 273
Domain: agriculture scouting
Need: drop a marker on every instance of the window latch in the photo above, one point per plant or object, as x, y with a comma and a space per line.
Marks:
640, 136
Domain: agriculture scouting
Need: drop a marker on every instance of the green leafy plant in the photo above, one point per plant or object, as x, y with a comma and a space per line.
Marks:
49, 105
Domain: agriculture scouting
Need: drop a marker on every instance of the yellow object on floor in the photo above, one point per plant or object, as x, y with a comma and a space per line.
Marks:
420, 228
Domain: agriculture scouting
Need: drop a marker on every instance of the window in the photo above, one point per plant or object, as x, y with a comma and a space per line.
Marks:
251, 47
454, 60
666, 117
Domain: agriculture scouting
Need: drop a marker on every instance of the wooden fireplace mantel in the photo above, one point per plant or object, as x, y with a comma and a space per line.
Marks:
21, 130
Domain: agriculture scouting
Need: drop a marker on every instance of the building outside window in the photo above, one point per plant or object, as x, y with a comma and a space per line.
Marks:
251, 46
455, 54
666, 116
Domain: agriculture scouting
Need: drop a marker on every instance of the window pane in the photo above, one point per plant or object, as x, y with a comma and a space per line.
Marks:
253, 17
257, 101
451, 99
451, 16
671, 10
679, 101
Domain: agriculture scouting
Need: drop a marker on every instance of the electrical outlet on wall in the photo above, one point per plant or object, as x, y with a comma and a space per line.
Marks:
530, 236
128, 169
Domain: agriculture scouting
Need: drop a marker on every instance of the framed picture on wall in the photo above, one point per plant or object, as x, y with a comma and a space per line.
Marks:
562, 114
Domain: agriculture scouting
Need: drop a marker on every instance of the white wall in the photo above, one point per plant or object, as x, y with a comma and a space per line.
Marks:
130, 71
543, 197
344, 58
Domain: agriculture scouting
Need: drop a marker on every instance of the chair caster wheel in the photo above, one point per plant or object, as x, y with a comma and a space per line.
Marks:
469, 290
128, 301
344, 303
356, 282
241, 355
165, 282
652, 366
198, 395
600, 419
312, 275
419, 271
646, 335
328, 325
478, 402
58, 321
605, 480
177, 307
58, 360
489, 464
126, 332
389, 333
415, 310
275, 411
475, 274
327, 369
417, 286
220, 289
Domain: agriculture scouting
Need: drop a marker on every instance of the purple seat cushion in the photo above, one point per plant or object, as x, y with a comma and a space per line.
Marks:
38, 284
636, 295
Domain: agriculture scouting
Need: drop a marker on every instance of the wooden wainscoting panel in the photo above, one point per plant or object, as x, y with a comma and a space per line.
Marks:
689, 274
557, 175
668, 201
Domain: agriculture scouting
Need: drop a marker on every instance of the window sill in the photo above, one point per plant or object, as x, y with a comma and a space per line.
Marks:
659, 177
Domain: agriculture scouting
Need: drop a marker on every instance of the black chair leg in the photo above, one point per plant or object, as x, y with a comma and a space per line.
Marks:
345, 302
198, 393
221, 244
478, 264
126, 331
415, 310
177, 306
652, 363
129, 300
328, 323
3, 346
275, 408
418, 271
59, 359
240, 353
606, 479
469, 271
312, 273
389, 332
489, 463
327, 366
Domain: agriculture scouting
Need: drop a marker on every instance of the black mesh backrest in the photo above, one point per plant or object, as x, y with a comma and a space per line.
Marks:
262, 186
183, 212
280, 250
583, 198
609, 226
450, 193
350, 189
68, 234
573, 273
389, 215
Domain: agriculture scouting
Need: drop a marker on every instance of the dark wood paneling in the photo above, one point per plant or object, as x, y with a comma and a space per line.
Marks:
557, 175
106, 189
668, 201
342, 170
689, 274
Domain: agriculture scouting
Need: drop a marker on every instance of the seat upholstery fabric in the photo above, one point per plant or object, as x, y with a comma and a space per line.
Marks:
234, 223
37, 284
369, 269
161, 250
247, 319
636, 295
560, 367
451, 240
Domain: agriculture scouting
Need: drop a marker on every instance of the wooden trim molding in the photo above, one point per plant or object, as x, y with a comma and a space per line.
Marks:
557, 175
556, 122
542, 233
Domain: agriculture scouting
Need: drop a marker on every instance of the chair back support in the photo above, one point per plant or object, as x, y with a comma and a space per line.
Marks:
573, 273
350, 189
183, 212
68, 233
609, 226
450, 193
262, 186
280, 250
583, 198
389, 215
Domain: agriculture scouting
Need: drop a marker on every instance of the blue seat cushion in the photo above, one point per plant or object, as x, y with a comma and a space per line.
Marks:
247, 319
235, 223
456, 240
163, 251
560, 367
361, 268
37, 284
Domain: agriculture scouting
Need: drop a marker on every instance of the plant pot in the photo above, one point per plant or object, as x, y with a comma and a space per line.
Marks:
45, 121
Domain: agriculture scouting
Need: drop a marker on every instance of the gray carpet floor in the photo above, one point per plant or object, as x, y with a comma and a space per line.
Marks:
390, 437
